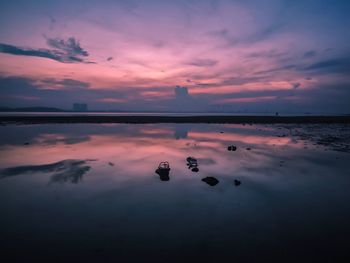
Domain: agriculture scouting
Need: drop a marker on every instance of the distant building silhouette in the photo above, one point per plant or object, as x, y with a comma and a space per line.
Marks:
80, 107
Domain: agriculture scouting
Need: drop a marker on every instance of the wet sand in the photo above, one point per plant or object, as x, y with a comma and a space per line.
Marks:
172, 119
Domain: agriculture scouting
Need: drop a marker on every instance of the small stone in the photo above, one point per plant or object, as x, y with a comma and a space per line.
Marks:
232, 148
192, 164
210, 180
237, 182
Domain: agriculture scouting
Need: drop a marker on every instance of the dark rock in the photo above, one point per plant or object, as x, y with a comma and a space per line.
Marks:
111, 164
248, 149
190, 159
192, 164
163, 171
221, 132
26, 143
163, 175
237, 182
232, 148
210, 180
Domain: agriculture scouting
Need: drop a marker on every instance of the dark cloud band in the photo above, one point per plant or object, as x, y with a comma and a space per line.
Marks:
66, 51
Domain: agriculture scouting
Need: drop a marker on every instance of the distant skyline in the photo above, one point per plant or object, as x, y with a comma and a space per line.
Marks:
180, 55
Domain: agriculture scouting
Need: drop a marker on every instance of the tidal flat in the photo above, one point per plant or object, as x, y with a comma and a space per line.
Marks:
89, 192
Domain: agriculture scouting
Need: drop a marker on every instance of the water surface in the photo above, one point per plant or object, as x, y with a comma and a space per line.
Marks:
89, 192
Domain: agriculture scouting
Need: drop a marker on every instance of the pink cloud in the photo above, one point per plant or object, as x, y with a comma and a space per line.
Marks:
247, 100
112, 100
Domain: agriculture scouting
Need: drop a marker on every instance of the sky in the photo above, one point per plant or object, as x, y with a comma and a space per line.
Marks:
177, 55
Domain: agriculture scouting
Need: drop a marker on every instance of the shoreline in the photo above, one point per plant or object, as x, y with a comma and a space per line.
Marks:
5, 120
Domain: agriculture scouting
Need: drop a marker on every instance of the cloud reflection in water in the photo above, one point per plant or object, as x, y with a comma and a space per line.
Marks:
63, 171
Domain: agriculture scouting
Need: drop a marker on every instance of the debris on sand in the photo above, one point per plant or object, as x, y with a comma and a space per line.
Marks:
334, 137
210, 180
110, 164
163, 171
237, 182
231, 148
192, 164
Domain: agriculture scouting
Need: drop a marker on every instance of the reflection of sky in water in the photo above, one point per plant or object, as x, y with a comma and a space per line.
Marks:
95, 185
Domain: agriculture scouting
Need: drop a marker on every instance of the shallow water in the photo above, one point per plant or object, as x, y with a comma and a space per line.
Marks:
92, 113
90, 193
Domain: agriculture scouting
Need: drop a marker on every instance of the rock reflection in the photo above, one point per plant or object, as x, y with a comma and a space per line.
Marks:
181, 131
71, 171
164, 177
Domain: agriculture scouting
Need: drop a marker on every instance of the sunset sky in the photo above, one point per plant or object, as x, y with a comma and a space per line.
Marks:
179, 55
